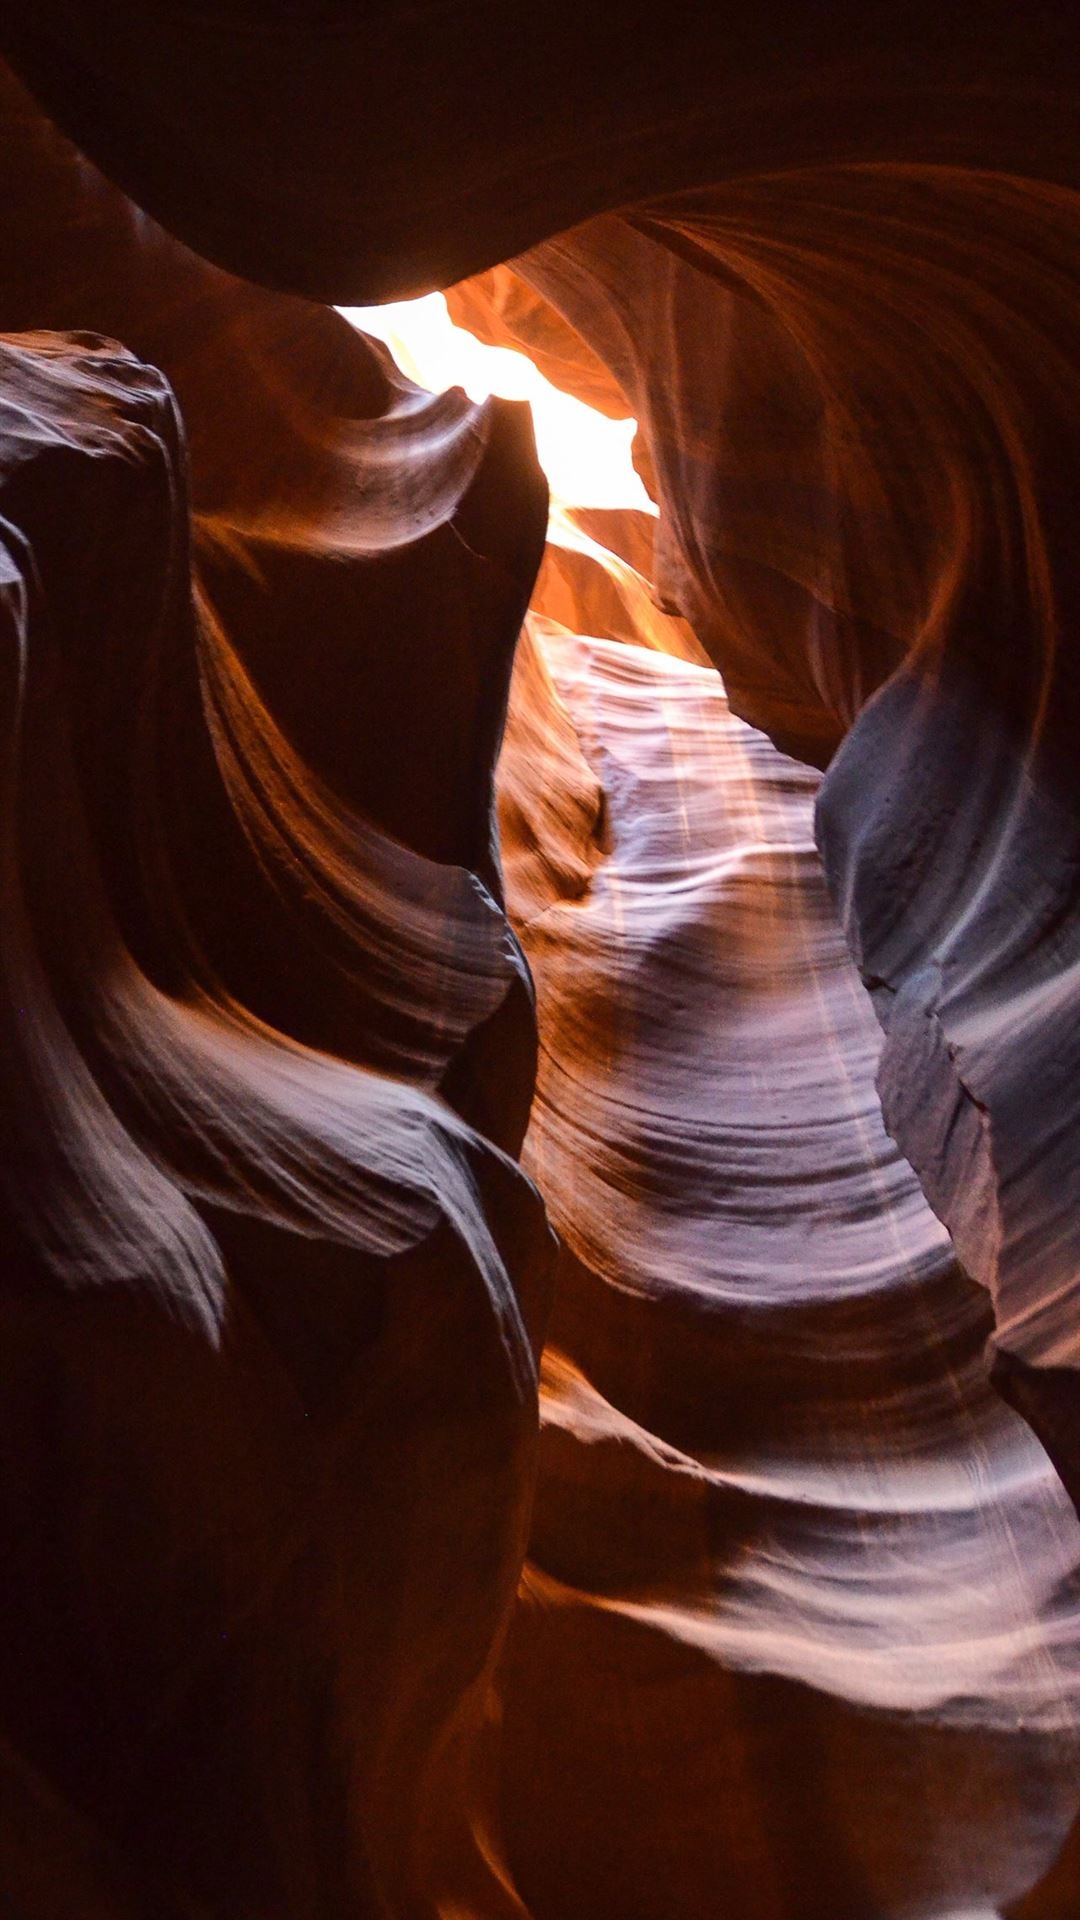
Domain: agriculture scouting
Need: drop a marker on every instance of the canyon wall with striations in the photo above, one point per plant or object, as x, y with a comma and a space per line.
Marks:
539, 1247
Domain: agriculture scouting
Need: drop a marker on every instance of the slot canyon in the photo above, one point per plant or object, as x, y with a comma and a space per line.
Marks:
539, 961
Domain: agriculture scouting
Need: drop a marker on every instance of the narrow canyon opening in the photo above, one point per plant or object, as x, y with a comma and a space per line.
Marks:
539, 1040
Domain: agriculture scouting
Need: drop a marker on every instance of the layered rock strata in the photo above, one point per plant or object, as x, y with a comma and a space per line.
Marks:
259, 996
789, 1549
857, 390
797, 1626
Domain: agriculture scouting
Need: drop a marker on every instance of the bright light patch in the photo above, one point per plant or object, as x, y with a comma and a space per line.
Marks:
586, 457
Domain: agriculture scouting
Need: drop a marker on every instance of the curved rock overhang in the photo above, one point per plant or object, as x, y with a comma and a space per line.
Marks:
301, 1616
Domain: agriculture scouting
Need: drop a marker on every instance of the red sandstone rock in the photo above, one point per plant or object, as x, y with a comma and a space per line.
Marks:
237, 1265
862, 517
359, 155
791, 1564
797, 1632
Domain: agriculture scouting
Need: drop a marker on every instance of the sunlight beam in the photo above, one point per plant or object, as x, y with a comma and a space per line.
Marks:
585, 456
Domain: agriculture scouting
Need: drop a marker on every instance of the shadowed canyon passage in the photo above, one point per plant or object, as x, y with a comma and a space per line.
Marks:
384, 888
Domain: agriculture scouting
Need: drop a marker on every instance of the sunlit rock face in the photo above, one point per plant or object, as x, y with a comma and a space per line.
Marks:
766, 1602
857, 390
789, 1549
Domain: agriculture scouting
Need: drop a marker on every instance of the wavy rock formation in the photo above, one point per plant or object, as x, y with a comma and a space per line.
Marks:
788, 1550
863, 518
500, 308
596, 577
231, 1259
243, 957
357, 157
798, 1628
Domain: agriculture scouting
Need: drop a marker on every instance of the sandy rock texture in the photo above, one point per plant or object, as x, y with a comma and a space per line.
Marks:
780, 1511
254, 1018
367, 1551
